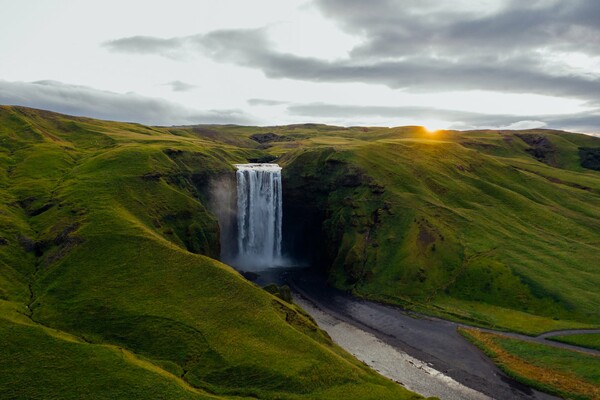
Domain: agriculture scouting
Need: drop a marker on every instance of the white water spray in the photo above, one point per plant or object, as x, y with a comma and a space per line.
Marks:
259, 216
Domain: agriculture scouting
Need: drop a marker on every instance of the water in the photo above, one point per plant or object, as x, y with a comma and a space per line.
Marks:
259, 215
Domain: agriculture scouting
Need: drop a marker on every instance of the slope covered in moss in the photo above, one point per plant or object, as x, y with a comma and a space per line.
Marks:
108, 249
496, 228
468, 225
109, 286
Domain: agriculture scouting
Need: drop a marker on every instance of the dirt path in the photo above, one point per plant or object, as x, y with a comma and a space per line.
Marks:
567, 332
543, 338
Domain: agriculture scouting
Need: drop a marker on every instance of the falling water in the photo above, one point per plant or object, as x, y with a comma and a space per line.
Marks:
259, 215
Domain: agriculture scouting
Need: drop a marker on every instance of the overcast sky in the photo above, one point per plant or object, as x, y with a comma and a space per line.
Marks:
443, 64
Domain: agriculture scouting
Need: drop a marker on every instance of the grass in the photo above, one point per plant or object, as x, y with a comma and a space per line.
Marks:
589, 340
107, 285
566, 373
38, 363
465, 225
107, 237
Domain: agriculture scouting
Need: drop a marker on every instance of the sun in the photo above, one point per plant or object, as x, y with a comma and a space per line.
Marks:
433, 127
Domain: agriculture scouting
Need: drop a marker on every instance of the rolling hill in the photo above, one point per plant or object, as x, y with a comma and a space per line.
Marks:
109, 248
109, 286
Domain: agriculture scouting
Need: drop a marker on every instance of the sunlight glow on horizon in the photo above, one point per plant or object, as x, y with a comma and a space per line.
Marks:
432, 127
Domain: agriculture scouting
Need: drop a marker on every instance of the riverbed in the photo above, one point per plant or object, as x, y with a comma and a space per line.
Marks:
426, 355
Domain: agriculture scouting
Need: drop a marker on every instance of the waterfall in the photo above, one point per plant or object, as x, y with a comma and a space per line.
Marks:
259, 215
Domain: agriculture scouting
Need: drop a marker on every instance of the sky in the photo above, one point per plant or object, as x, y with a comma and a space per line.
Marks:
497, 64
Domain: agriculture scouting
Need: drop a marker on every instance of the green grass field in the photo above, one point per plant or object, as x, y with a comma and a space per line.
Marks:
107, 288
108, 248
468, 225
569, 374
589, 340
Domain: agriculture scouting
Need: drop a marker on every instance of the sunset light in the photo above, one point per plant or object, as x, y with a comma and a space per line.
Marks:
433, 127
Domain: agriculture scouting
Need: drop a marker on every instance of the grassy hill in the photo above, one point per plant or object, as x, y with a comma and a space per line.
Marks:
469, 225
109, 284
495, 228
565, 373
109, 287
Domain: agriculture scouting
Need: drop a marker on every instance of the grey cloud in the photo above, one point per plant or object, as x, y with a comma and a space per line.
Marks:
145, 45
396, 27
266, 102
344, 111
517, 74
179, 86
90, 102
588, 122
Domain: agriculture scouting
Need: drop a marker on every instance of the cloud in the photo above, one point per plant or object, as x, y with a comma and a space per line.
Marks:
526, 124
179, 86
588, 122
499, 28
146, 45
86, 101
418, 46
266, 102
470, 67
131, 107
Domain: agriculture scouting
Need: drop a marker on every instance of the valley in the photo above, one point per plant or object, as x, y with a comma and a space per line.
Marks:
111, 235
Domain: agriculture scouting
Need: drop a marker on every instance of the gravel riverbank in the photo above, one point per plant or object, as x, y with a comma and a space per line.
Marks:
390, 362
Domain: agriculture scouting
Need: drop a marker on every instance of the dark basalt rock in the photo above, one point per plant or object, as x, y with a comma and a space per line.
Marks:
541, 148
590, 157
267, 158
269, 137
152, 176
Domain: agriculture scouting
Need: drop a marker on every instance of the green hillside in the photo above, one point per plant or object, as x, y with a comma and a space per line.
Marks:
468, 225
495, 228
107, 285
110, 288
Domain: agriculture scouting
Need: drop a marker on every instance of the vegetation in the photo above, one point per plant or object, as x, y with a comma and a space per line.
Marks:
107, 289
566, 373
466, 225
589, 340
108, 249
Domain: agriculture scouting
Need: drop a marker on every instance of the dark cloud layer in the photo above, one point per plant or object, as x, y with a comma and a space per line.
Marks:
90, 102
421, 46
401, 27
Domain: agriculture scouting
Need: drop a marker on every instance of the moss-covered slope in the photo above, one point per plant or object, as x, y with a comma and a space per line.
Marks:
108, 251
107, 288
470, 225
